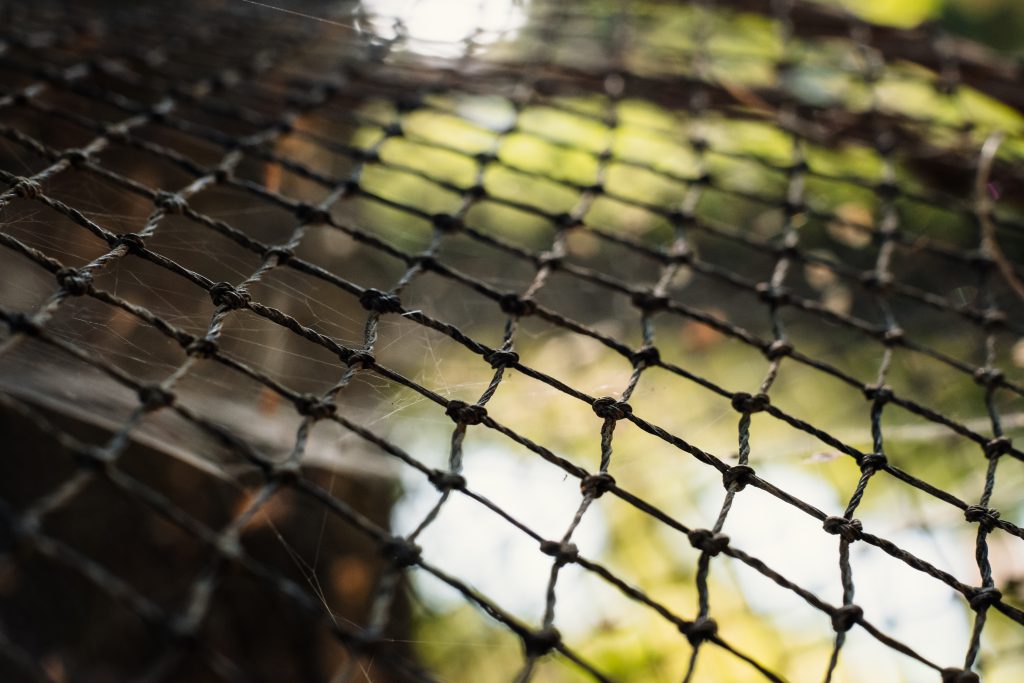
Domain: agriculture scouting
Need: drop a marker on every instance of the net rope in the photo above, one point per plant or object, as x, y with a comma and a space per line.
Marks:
153, 81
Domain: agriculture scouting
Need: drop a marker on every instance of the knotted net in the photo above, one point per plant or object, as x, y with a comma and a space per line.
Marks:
507, 341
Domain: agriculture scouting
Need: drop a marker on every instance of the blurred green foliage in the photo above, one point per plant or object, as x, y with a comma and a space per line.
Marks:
555, 150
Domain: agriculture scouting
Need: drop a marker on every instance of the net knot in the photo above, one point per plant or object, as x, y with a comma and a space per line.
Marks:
539, 643
845, 617
360, 359
770, 294
791, 207
407, 103
778, 349
310, 213
993, 319
701, 630
202, 347
649, 301
132, 242
170, 202
248, 145
706, 179
401, 552
680, 256
224, 294
281, 253
226, 79
154, 397
380, 302
708, 541
285, 474
183, 631
465, 413
645, 357
747, 403
681, 218
596, 485
446, 481
19, 323
549, 259
847, 529
512, 304
787, 249
883, 235
74, 281
879, 393
447, 223
17, 531
315, 407
800, 166
28, 188
977, 514
367, 644
1000, 445
475, 192
892, 336
980, 260
564, 553
983, 598
954, 675
365, 156
92, 458
988, 377
501, 359
424, 261
611, 409
873, 462
887, 190
566, 221
229, 547
945, 83
876, 281
737, 477
75, 157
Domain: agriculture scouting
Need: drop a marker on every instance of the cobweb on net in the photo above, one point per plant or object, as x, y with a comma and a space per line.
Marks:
678, 341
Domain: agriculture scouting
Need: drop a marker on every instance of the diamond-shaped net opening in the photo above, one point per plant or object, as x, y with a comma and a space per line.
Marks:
508, 341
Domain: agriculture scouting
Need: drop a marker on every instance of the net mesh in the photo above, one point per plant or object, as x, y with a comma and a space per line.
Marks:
215, 208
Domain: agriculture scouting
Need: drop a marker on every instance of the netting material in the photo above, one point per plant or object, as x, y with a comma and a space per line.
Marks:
212, 92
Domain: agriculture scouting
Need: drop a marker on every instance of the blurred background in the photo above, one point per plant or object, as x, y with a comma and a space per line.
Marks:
506, 116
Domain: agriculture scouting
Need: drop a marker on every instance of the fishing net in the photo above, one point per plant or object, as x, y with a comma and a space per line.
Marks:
507, 341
